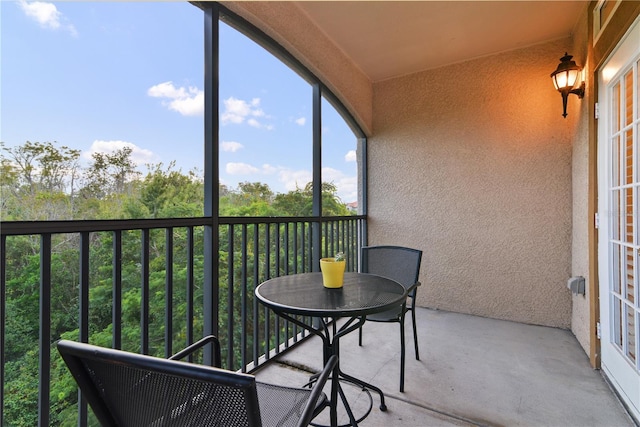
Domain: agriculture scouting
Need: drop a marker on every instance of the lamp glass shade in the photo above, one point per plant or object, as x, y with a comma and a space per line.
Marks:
566, 79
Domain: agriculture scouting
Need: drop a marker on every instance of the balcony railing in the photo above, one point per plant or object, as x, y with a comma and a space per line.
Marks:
143, 285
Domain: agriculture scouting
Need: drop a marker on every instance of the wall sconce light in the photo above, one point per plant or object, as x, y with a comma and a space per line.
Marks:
565, 78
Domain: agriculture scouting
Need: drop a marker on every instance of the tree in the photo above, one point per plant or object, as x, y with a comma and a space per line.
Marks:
251, 199
169, 193
38, 181
110, 174
41, 166
299, 202
256, 191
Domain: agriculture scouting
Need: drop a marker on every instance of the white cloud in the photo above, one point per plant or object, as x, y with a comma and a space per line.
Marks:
293, 179
139, 156
231, 146
186, 101
166, 90
301, 121
332, 175
235, 111
347, 185
267, 169
247, 169
238, 111
192, 105
47, 15
241, 169
351, 156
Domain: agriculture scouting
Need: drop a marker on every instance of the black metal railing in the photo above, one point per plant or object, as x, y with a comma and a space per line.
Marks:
139, 285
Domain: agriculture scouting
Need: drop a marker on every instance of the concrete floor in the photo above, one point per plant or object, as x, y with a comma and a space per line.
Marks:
472, 371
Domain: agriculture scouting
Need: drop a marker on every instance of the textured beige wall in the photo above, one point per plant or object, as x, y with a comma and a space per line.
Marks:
290, 27
582, 221
472, 164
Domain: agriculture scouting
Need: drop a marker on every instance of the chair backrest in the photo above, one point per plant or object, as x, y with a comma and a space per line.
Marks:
127, 389
394, 262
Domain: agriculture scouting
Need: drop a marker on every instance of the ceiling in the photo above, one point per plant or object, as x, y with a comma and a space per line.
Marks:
392, 38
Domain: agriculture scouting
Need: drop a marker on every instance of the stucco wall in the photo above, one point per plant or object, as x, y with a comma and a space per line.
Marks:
472, 164
582, 220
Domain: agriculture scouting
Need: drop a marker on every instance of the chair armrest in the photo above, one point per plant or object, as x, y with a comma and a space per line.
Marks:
212, 339
412, 289
309, 409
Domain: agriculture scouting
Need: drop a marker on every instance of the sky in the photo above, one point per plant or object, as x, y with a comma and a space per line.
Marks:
100, 76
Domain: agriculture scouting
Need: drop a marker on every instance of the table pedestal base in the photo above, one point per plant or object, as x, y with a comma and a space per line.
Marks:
354, 418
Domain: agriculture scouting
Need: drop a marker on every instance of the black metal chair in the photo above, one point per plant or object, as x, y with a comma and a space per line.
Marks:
128, 389
402, 265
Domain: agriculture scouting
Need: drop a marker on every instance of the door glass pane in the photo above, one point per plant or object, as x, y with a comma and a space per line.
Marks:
615, 108
615, 215
628, 98
629, 255
628, 215
628, 158
616, 268
616, 153
616, 337
630, 273
630, 333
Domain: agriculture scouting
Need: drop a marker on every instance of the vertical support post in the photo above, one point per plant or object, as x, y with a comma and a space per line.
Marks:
211, 172
317, 176
363, 179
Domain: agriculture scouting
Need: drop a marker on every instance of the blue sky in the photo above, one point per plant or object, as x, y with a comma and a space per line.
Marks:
97, 76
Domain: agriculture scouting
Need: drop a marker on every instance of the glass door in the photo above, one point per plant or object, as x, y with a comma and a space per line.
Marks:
619, 208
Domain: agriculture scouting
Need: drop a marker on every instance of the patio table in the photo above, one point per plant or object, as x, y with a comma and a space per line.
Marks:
304, 295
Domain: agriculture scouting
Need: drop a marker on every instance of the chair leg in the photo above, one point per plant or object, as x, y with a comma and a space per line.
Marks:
360, 335
402, 354
415, 334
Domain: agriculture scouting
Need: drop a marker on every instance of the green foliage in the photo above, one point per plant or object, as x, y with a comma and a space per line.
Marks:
300, 202
37, 166
41, 181
169, 193
34, 180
